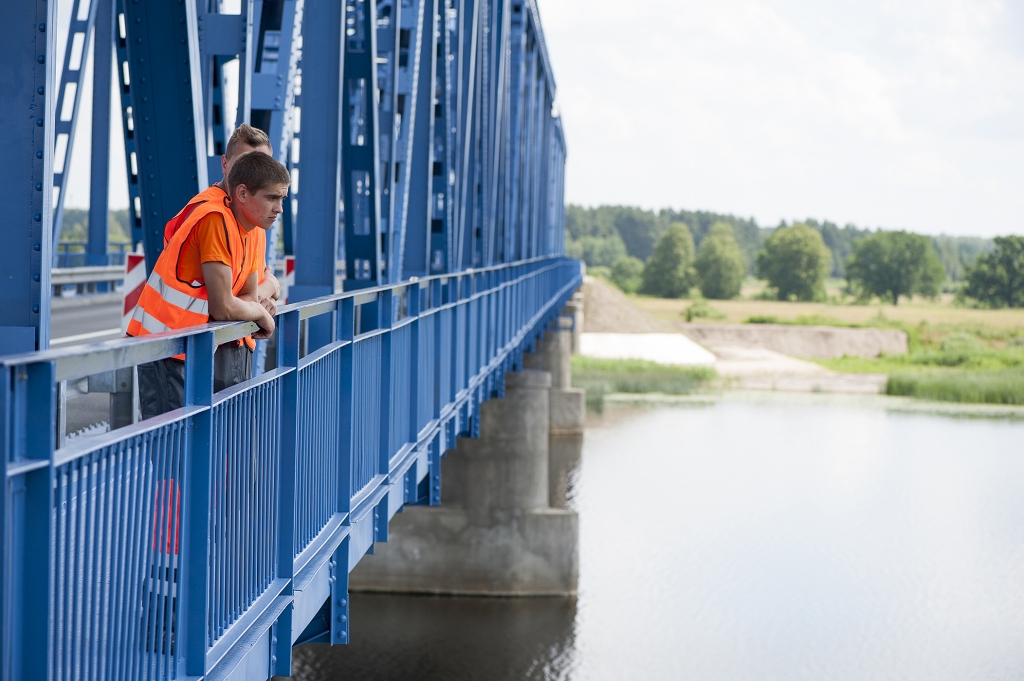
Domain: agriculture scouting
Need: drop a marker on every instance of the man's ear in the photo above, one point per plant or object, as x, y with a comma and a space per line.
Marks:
224, 165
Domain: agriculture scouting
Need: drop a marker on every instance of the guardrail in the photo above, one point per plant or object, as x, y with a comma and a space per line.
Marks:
213, 538
72, 254
85, 279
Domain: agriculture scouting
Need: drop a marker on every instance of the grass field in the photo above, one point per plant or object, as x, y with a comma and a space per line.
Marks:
956, 354
603, 376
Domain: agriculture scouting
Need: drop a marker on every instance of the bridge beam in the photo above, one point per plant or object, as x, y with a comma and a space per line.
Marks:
27, 80
162, 43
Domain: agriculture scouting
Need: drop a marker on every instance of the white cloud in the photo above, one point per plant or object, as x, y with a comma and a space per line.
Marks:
902, 114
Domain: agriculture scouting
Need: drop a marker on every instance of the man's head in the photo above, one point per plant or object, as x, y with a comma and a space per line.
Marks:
257, 185
244, 139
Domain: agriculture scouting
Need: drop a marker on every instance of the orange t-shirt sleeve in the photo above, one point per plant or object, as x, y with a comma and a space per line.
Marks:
212, 238
208, 242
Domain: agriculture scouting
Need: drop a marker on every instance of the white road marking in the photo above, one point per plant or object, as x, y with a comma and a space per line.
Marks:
85, 336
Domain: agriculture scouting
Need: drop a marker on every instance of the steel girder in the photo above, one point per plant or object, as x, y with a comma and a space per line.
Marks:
27, 81
432, 143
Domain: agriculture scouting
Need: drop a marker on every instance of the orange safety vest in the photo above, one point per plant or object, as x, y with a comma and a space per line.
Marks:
168, 303
217, 194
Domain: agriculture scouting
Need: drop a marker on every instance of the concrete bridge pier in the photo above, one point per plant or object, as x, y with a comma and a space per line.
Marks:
501, 528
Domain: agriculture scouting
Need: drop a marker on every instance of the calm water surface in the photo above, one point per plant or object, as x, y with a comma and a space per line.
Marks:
752, 537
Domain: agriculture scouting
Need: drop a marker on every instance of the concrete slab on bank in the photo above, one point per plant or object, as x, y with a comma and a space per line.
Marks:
663, 348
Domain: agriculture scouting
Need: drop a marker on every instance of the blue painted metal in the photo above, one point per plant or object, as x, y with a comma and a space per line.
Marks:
208, 540
99, 174
361, 139
316, 247
166, 98
69, 96
26, 167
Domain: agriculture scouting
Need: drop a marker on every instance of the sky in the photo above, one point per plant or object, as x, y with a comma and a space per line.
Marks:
883, 113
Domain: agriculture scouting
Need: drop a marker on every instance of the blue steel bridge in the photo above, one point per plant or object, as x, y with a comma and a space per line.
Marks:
426, 225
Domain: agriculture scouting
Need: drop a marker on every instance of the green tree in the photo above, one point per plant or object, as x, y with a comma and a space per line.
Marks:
669, 272
795, 261
628, 273
997, 278
894, 264
720, 263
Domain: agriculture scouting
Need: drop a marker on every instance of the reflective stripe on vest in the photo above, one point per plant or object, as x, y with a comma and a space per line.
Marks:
169, 304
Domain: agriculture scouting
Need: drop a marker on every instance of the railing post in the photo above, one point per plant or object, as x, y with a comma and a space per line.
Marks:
436, 301
33, 564
199, 392
413, 310
346, 320
287, 356
386, 321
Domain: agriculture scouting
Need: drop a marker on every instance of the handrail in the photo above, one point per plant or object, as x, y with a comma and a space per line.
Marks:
314, 457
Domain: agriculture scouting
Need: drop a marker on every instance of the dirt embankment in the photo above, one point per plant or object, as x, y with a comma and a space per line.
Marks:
606, 309
609, 310
818, 342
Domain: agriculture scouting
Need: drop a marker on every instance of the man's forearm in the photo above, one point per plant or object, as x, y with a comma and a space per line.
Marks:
238, 310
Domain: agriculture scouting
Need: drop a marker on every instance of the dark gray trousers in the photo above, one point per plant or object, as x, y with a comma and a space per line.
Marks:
162, 383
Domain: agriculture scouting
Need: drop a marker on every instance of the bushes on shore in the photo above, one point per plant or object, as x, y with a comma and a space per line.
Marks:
987, 387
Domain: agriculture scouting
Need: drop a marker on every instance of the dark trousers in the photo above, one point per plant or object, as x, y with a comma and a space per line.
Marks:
162, 383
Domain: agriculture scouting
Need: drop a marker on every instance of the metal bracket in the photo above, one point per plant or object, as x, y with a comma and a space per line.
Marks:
222, 35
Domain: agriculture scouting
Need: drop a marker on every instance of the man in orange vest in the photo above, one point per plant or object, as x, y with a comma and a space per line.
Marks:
244, 139
209, 271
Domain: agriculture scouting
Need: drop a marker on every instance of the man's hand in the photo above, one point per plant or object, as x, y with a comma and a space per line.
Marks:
269, 304
226, 307
266, 324
270, 287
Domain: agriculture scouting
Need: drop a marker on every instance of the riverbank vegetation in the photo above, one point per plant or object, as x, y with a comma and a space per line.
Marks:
600, 377
674, 253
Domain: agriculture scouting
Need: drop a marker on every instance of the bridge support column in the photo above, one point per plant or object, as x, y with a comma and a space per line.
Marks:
568, 404
495, 532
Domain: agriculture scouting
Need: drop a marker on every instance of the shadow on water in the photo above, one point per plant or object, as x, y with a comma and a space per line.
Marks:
426, 638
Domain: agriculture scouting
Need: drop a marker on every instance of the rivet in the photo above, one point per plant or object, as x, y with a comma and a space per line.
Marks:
35, 247
42, 28
39, 186
35, 308
35, 277
343, 602
40, 90
39, 122
37, 217
341, 634
343, 618
41, 59
39, 154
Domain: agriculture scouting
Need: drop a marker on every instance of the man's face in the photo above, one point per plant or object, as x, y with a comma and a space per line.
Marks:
260, 209
242, 148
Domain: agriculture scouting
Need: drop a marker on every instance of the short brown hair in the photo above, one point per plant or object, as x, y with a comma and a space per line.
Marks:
256, 171
250, 136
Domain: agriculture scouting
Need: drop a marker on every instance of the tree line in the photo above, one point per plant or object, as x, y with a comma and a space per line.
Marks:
668, 253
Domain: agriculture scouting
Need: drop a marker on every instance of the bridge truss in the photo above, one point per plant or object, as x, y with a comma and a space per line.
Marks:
426, 223
432, 143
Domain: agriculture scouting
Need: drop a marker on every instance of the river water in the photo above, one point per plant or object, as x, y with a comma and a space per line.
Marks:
750, 537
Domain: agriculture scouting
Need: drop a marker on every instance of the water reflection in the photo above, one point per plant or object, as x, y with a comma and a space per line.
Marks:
426, 638
758, 537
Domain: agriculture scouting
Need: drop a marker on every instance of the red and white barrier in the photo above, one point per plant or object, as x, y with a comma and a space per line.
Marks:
134, 282
289, 276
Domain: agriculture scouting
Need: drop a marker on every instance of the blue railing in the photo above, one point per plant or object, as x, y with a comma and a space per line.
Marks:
214, 537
